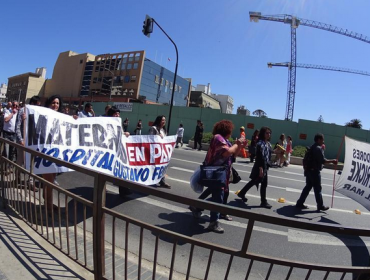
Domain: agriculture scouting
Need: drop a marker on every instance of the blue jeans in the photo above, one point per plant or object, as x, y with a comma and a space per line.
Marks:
218, 197
313, 180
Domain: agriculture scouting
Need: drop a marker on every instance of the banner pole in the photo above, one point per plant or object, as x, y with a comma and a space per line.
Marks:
335, 170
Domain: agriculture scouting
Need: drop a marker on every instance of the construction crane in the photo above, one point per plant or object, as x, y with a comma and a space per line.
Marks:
294, 22
319, 67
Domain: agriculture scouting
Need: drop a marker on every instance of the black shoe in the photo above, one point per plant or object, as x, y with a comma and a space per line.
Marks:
266, 205
323, 208
243, 198
301, 206
196, 213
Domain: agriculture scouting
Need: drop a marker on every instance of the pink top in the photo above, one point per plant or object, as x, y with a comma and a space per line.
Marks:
289, 147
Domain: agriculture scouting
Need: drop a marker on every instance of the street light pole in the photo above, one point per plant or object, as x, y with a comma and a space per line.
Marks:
150, 30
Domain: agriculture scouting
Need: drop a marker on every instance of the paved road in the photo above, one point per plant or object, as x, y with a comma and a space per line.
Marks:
267, 239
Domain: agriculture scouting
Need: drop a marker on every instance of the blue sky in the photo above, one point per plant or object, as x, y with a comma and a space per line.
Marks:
217, 44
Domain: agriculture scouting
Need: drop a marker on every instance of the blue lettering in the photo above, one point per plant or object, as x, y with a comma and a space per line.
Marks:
103, 162
47, 163
87, 157
144, 175
65, 156
39, 159
77, 155
97, 155
155, 172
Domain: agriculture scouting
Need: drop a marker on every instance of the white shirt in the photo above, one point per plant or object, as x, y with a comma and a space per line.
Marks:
180, 132
10, 125
84, 114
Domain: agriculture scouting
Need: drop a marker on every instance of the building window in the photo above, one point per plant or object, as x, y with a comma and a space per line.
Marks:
123, 66
133, 78
124, 59
81, 61
156, 79
176, 88
180, 89
162, 80
136, 65
129, 66
96, 68
166, 84
94, 80
127, 78
131, 57
171, 86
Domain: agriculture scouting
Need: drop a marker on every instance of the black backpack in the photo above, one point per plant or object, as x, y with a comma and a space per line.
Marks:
308, 159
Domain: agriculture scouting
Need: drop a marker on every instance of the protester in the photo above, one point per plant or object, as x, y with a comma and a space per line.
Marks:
289, 150
280, 151
139, 126
87, 112
313, 174
10, 117
200, 136
19, 132
106, 109
252, 146
197, 134
159, 128
243, 152
54, 102
180, 135
66, 111
260, 167
125, 124
220, 153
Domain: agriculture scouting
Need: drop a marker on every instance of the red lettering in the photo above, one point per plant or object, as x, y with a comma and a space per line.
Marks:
149, 153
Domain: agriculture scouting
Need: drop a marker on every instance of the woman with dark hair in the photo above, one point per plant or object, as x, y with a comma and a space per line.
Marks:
252, 146
159, 128
260, 167
220, 152
54, 102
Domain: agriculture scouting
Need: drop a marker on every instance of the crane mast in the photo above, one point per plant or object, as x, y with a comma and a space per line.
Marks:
294, 22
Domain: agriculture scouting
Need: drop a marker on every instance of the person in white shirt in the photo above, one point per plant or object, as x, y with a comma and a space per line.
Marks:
10, 117
87, 112
180, 135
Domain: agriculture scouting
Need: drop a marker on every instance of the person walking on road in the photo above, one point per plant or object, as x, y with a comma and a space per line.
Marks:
220, 153
197, 134
243, 152
159, 128
252, 146
313, 174
180, 135
260, 167
138, 128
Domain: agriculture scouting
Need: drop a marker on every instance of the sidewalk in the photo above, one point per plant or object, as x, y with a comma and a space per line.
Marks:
26, 255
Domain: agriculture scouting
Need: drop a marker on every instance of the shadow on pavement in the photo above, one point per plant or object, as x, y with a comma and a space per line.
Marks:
40, 263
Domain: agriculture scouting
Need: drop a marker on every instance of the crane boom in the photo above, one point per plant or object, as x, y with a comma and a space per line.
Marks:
294, 22
320, 67
288, 19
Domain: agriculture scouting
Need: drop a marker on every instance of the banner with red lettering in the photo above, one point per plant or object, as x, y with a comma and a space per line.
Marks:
97, 143
354, 182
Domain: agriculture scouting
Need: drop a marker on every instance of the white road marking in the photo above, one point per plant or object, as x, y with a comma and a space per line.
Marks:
292, 234
270, 186
286, 201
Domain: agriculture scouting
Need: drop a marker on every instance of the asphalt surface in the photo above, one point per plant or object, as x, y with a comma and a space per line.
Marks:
271, 240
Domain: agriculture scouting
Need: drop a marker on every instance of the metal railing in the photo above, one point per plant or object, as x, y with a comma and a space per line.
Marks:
70, 232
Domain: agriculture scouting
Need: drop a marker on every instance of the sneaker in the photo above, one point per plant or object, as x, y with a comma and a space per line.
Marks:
226, 217
182, 144
215, 227
196, 213
165, 185
323, 208
301, 206
243, 198
266, 205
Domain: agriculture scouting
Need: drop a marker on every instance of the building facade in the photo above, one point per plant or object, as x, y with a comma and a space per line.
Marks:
243, 111
203, 100
226, 102
3, 90
22, 87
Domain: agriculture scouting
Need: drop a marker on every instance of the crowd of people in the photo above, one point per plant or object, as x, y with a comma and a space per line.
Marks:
220, 153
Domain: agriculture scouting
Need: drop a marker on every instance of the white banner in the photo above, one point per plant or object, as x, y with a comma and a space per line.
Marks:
354, 181
96, 143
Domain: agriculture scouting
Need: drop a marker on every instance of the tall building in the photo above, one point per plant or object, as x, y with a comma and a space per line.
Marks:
24, 86
121, 77
243, 111
203, 100
226, 102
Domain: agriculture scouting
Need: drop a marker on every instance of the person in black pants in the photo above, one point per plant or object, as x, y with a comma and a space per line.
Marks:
260, 167
197, 134
200, 137
313, 174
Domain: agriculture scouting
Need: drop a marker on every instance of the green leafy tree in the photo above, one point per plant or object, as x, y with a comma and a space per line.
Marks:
259, 113
356, 123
